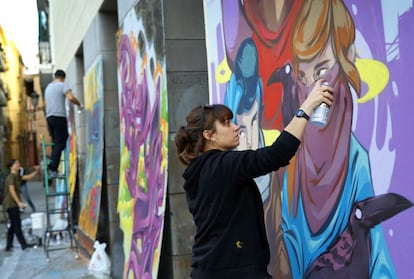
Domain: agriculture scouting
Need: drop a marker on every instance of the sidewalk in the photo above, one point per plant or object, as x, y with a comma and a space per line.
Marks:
31, 263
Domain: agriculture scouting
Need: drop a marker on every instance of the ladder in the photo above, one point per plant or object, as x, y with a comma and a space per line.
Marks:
58, 203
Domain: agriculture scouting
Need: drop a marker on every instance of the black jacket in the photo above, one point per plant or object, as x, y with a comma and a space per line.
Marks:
230, 240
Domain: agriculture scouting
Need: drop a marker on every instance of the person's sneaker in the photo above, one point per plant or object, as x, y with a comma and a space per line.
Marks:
52, 174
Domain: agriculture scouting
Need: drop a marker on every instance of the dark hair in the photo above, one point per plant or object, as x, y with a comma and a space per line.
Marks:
60, 74
10, 163
189, 139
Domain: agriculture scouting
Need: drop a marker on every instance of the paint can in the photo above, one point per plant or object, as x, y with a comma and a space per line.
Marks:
320, 115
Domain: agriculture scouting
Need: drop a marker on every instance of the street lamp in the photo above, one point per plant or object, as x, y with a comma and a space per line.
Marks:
35, 101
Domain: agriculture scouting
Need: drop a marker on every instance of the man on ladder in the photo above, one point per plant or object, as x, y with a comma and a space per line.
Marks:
55, 95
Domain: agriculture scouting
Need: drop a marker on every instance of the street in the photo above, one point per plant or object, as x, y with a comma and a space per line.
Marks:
32, 263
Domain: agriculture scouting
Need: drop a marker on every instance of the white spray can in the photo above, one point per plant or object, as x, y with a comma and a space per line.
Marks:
321, 113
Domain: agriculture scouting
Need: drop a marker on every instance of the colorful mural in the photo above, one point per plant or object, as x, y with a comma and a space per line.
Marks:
71, 147
265, 56
91, 191
144, 143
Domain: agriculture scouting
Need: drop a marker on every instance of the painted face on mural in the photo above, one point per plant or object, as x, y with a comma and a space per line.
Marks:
249, 128
318, 68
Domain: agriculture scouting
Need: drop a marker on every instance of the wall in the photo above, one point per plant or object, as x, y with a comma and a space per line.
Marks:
144, 136
98, 39
14, 115
344, 168
87, 34
68, 25
187, 88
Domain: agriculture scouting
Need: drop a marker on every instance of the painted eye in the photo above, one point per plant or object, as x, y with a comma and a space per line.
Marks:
320, 73
254, 122
358, 213
287, 69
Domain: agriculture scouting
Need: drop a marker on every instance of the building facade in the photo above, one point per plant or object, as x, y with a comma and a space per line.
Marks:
155, 60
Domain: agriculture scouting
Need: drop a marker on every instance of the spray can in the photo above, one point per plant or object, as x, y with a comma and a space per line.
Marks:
321, 113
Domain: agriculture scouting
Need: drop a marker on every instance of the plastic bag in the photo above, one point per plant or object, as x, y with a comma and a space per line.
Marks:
99, 263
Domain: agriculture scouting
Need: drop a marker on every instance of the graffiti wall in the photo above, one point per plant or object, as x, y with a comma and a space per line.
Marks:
91, 191
342, 206
144, 129
71, 149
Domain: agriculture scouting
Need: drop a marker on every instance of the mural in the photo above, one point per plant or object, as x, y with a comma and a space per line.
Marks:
263, 59
71, 147
91, 192
144, 130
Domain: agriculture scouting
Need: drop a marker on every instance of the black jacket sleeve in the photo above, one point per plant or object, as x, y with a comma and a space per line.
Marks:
254, 163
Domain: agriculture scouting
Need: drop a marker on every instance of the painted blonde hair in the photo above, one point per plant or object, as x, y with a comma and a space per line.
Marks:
317, 22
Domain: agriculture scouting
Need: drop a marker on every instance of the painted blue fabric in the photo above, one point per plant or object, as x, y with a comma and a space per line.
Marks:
303, 247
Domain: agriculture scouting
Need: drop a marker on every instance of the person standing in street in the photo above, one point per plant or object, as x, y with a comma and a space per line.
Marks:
12, 202
56, 94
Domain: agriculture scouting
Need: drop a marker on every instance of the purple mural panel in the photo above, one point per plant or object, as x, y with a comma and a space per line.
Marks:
385, 129
365, 49
144, 129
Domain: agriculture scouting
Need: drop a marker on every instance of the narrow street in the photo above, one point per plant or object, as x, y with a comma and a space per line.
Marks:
32, 263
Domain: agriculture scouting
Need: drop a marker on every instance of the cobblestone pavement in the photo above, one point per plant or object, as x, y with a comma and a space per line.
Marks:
32, 263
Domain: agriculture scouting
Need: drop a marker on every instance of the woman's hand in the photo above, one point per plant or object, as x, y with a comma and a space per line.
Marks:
320, 94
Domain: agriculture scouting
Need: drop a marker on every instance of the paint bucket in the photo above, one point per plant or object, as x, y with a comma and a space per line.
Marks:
38, 220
